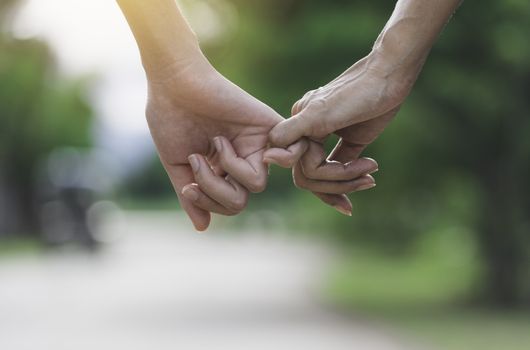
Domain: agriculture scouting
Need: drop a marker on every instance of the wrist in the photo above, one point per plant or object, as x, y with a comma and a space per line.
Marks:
168, 60
399, 51
400, 72
192, 70
163, 36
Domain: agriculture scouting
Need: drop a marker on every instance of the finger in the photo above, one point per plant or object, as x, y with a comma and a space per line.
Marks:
250, 172
225, 191
346, 152
340, 202
289, 131
297, 107
194, 194
364, 134
286, 158
332, 187
316, 167
181, 175
199, 217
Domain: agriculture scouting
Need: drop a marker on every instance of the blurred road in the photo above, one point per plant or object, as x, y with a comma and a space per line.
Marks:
162, 286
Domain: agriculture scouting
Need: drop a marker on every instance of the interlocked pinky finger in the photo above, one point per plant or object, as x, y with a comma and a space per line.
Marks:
249, 172
286, 158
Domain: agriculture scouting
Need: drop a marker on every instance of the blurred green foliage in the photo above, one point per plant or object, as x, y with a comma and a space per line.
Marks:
455, 160
19, 246
36, 105
40, 111
450, 217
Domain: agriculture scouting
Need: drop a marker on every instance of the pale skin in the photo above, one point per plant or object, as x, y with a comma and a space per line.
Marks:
358, 105
212, 136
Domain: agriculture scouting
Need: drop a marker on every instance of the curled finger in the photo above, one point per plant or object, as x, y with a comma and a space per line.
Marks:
195, 195
315, 166
250, 172
332, 187
180, 175
226, 191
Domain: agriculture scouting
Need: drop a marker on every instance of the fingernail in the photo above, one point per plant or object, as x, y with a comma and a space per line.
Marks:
374, 171
218, 144
200, 230
190, 193
366, 187
194, 162
342, 210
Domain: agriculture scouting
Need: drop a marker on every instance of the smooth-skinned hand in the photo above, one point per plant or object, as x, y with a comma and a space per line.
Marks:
211, 136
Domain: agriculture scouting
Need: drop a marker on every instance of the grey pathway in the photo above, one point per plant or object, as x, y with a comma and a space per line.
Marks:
159, 285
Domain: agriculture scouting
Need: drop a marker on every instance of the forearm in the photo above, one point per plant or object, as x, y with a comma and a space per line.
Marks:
410, 33
163, 35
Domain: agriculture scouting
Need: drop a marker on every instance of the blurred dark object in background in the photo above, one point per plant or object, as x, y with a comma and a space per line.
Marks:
441, 248
454, 165
69, 185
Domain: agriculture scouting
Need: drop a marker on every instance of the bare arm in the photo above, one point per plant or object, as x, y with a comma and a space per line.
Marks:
408, 36
209, 133
359, 103
161, 32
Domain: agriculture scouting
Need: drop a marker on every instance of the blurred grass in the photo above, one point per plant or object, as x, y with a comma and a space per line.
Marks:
17, 246
425, 295
465, 329
442, 268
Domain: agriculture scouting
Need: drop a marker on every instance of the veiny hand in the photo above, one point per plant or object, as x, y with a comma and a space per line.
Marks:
210, 136
356, 106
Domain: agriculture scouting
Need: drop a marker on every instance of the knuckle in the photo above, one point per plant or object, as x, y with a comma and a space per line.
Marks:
318, 105
296, 107
258, 185
275, 136
239, 203
315, 113
291, 160
309, 95
230, 213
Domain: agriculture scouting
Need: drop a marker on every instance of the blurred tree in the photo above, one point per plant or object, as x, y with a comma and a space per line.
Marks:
459, 153
39, 112
151, 182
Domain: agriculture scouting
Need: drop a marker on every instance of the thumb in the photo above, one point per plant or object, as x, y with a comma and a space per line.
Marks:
290, 130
